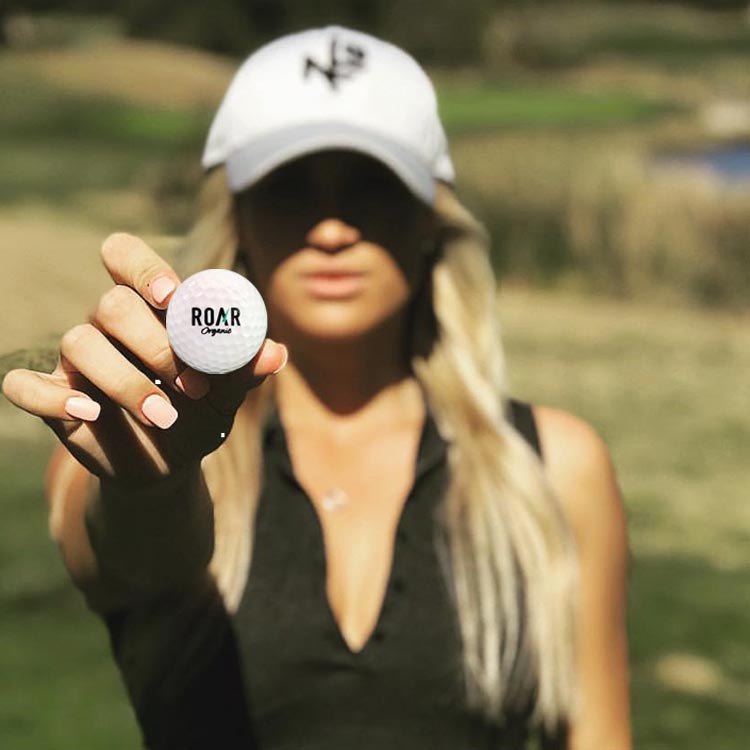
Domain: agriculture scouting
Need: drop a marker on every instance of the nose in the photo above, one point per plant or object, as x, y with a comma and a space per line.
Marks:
332, 235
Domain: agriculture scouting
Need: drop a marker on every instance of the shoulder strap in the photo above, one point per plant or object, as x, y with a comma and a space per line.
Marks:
522, 418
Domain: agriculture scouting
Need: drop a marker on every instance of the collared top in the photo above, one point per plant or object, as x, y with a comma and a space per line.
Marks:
278, 674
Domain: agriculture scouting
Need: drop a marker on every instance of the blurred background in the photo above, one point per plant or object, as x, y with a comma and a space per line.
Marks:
606, 145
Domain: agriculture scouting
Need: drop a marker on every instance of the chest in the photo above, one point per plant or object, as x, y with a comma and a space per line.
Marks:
305, 685
357, 491
288, 634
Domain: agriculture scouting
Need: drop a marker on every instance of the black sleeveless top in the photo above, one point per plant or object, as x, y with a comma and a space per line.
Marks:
278, 675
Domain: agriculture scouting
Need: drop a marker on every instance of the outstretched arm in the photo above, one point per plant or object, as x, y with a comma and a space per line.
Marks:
134, 532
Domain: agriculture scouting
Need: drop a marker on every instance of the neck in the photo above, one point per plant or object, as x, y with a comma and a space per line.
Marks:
337, 383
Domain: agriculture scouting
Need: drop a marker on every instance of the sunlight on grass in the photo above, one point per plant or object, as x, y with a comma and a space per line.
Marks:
471, 109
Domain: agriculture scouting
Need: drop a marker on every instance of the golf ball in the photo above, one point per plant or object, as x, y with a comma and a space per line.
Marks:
216, 321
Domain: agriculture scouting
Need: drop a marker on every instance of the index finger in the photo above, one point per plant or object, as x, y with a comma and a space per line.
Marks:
130, 261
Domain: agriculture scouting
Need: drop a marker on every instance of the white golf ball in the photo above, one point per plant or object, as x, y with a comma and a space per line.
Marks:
216, 321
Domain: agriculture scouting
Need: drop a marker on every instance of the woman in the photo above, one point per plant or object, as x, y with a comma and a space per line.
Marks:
365, 547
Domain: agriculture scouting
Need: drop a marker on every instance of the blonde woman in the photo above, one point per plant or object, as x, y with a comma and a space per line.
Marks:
360, 539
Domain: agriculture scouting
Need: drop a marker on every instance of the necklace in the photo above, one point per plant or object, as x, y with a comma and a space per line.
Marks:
334, 498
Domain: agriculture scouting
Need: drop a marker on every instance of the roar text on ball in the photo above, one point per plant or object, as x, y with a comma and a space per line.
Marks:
207, 316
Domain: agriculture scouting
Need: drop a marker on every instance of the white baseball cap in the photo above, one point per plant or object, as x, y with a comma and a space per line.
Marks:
324, 88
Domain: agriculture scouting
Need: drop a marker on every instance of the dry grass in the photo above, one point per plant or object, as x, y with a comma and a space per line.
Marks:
667, 388
51, 274
609, 216
141, 72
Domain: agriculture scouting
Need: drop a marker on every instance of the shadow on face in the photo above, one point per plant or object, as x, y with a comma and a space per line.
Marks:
334, 211
279, 215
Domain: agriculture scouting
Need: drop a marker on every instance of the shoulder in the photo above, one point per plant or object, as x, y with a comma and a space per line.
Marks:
579, 466
568, 441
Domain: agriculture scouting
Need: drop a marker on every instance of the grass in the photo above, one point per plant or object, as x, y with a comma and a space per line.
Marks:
61, 688
62, 142
668, 36
493, 106
665, 388
560, 169
58, 143
682, 604
36, 110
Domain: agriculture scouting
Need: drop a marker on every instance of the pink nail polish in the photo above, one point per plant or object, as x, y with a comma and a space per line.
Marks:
283, 364
161, 288
83, 408
192, 383
159, 411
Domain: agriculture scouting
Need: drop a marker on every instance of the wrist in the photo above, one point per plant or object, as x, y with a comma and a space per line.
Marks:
155, 536
176, 483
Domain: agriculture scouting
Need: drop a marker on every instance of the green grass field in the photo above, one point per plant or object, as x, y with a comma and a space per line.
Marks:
666, 386
499, 106
55, 132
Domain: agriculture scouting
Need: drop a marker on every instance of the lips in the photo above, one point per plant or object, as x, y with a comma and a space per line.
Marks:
333, 284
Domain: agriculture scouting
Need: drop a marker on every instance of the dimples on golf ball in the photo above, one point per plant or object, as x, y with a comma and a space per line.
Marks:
216, 321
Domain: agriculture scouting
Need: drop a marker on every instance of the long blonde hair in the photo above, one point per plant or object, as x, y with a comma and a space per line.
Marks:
500, 529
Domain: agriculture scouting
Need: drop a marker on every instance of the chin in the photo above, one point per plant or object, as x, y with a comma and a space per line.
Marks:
337, 322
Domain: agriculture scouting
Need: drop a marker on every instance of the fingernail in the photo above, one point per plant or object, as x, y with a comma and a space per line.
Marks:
159, 411
268, 351
161, 288
283, 364
192, 383
83, 408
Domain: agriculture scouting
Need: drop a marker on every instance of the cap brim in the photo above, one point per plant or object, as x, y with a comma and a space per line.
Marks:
254, 160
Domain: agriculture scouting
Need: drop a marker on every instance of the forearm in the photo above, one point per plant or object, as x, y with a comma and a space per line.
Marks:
151, 539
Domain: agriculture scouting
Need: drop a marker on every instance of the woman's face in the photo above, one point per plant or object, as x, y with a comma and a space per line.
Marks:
326, 214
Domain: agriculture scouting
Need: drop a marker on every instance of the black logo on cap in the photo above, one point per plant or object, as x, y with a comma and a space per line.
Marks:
342, 64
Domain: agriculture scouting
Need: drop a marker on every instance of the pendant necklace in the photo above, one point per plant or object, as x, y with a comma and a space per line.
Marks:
334, 498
